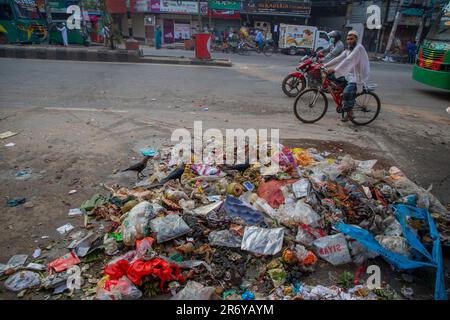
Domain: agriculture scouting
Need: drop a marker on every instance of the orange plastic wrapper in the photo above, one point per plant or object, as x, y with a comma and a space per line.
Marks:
65, 262
302, 157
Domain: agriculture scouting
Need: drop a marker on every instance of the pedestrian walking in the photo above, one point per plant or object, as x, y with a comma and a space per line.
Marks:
158, 37
412, 50
62, 28
105, 34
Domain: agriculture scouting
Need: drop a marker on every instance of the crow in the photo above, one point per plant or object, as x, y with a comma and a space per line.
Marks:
175, 174
139, 167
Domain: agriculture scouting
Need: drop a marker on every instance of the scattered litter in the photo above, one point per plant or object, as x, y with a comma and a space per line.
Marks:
75, 212
65, 228
65, 262
7, 134
11, 144
72, 191
22, 280
15, 202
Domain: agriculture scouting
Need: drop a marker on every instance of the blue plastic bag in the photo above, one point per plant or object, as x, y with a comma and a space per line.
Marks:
434, 259
236, 208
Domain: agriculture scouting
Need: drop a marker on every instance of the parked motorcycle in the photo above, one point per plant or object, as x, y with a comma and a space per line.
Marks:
307, 74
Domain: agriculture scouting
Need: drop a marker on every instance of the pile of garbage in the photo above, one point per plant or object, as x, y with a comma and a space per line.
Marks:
243, 232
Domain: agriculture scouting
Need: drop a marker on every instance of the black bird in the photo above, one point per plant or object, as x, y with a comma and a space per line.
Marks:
175, 174
139, 167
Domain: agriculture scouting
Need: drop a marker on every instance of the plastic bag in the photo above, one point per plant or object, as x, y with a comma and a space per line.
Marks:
262, 205
301, 188
360, 253
134, 226
65, 262
17, 260
224, 238
169, 227
406, 187
236, 208
22, 280
271, 192
395, 244
195, 291
333, 249
204, 210
303, 213
122, 288
305, 256
262, 241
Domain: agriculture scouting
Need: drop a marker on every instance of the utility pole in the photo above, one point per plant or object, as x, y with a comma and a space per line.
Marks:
131, 43
398, 16
348, 15
200, 25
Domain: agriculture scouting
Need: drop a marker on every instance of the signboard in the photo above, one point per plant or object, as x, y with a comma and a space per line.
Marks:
155, 5
224, 5
183, 7
276, 7
26, 3
149, 20
141, 6
182, 31
224, 14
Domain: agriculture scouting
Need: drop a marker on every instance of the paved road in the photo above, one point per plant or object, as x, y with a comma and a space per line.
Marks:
80, 122
412, 130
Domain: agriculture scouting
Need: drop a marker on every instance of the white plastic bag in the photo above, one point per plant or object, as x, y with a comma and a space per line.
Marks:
333, 249
169, 227
301, 188
305, 214
262, 241
195, 291
135, 224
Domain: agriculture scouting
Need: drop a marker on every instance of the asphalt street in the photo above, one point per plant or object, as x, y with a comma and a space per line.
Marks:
80, 122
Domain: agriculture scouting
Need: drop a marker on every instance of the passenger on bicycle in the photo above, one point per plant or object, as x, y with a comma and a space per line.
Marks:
259, 39
354, 65
336, 48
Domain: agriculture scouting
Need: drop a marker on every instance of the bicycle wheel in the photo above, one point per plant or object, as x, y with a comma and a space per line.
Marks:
310, 105
366, 109
268, 50
292, 86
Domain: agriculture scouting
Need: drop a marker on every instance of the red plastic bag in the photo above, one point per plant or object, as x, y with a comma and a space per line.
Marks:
65, 262
159, 268
271, 192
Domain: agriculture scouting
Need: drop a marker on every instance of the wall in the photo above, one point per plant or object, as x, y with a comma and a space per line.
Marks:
330, 23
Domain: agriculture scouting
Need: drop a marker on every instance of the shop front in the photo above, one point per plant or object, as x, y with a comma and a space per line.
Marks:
224, 15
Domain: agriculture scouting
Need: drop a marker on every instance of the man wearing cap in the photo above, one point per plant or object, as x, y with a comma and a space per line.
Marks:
354, 65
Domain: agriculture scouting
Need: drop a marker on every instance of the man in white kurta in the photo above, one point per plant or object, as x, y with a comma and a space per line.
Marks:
353, 64
63, 31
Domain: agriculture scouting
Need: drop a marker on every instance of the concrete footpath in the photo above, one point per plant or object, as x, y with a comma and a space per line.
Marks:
100, 54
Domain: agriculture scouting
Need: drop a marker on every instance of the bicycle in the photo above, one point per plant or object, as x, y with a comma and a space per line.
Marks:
244, 46
308, 101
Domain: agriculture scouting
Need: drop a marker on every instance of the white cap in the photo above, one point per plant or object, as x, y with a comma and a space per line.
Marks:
353, 32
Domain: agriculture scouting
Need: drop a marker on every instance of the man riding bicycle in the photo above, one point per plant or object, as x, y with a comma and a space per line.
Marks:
354, 65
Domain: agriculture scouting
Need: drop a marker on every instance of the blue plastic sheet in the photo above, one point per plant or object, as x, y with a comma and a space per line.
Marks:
434, 260
236, 208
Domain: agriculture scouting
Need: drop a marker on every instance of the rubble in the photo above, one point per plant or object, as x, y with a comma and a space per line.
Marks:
245, 232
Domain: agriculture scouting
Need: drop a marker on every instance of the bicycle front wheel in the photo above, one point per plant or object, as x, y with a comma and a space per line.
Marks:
366, 109
268, 50
310, 105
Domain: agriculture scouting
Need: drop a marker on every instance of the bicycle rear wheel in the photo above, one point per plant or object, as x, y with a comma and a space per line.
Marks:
310, 105
366, 109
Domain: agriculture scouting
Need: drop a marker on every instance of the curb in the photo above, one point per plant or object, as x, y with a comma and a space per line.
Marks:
100, 55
